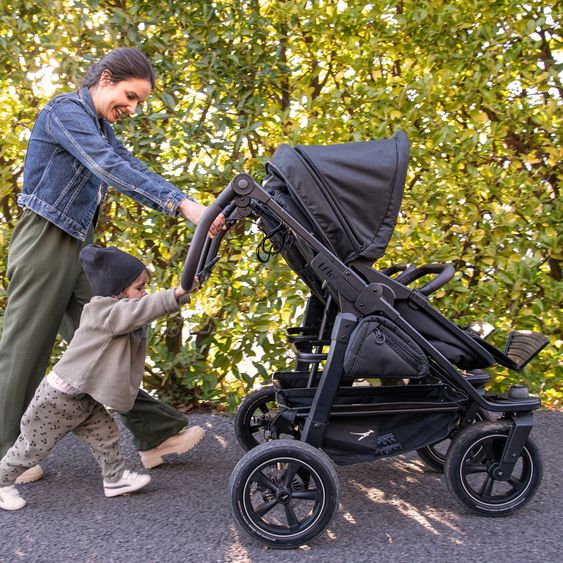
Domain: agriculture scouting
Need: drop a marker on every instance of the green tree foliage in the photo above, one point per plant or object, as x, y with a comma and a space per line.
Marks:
476, 85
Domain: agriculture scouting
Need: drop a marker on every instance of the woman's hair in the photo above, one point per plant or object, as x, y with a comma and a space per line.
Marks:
122, 64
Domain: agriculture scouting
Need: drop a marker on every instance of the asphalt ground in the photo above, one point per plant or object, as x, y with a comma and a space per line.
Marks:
390, 510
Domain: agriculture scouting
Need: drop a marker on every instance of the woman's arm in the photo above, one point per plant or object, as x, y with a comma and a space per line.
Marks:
135, 163
188, 208
69, 126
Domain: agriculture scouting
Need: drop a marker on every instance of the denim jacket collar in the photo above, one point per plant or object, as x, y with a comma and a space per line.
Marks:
86, 97
101, 124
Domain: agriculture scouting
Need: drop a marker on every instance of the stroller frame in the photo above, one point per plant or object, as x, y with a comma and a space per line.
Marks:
360, 298
358, 290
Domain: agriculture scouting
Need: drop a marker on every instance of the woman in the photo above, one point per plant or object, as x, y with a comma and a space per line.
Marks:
71, 158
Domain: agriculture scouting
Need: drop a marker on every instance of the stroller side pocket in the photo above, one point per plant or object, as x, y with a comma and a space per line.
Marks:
379, 348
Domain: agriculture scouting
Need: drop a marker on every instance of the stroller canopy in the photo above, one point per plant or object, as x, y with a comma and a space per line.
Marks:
351, 192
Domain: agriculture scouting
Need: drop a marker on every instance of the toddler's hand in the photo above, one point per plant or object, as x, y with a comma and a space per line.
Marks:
196, 285
181, 292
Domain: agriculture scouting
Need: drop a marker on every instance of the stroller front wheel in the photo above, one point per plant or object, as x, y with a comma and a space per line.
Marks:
470, 468
283, 493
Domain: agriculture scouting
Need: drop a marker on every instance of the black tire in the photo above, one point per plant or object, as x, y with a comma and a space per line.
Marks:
283, 493
474, 454
434, 455
254, 416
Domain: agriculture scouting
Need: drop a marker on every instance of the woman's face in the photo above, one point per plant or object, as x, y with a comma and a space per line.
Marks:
114, 99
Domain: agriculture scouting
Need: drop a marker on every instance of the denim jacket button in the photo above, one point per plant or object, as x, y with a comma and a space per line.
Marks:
170, 205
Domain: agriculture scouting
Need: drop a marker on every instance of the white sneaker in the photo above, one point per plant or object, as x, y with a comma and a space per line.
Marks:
129, 482
10, 498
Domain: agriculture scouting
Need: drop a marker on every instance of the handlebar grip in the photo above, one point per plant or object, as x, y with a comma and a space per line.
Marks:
402, 267
408, 276
200, 236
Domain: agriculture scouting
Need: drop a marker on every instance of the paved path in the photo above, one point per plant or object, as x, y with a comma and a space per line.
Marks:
391, 510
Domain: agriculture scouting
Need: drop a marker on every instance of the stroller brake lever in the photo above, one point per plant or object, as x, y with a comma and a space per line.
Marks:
205, 272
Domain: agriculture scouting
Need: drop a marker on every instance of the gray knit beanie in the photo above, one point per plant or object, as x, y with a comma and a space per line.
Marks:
109, 270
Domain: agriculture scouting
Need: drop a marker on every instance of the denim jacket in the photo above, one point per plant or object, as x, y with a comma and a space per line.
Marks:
71, 158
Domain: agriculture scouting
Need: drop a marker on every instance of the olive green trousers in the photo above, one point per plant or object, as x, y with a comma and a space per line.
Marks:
47, 290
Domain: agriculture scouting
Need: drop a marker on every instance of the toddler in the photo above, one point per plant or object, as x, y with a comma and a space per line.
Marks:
103, 365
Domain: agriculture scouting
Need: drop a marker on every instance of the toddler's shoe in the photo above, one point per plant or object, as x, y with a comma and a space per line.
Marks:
29, 475
10, 498
180, 443
129, 482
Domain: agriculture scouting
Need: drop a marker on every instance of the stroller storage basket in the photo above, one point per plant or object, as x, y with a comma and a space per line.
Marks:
366, 399
366, 423
378, 348
355, 439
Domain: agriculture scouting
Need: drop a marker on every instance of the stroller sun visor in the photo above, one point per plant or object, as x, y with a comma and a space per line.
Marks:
351, 192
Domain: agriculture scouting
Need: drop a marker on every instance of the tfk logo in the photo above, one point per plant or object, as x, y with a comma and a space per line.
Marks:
363, 434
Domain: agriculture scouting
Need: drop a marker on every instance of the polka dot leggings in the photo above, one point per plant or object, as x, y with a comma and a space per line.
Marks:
50, 416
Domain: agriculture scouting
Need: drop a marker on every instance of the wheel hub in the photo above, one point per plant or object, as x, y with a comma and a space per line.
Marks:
496, 472
283, 495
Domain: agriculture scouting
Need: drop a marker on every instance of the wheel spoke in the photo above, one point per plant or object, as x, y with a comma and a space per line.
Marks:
477, 455
516, 483
471, 468
291, 517
487, 487
290, 473
264, 408
264, 508
488, 446
263, 481
306, 495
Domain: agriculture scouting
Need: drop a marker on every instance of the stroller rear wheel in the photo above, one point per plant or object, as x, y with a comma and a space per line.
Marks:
283, 493
254, 417
434, 455
471, 462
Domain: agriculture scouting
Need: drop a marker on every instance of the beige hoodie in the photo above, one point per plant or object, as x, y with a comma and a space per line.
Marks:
106, 357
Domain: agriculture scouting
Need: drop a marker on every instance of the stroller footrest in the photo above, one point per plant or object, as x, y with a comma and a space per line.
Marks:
524, 345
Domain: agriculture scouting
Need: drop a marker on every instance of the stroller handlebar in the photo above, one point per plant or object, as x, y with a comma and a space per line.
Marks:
192, 264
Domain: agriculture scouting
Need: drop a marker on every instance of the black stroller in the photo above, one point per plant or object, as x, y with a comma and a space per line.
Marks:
379, 371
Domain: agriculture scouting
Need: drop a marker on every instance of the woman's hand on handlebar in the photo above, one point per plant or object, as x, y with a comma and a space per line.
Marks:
193, 212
